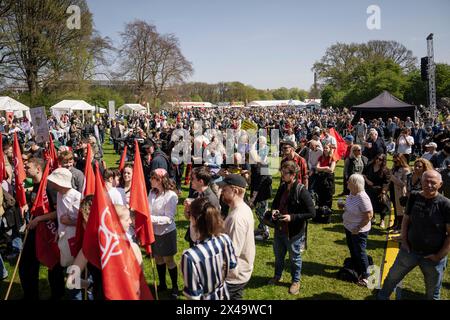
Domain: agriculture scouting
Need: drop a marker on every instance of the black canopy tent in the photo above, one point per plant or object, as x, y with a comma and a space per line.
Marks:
384, 106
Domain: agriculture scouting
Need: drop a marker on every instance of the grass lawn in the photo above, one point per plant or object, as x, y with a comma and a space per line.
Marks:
326, 252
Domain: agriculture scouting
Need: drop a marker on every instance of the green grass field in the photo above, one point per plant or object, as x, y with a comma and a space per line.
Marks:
326, 252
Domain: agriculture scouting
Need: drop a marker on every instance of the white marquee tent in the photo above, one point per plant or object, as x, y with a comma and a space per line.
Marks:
189, 105
276, 103
69, 106
8, 104
130, 108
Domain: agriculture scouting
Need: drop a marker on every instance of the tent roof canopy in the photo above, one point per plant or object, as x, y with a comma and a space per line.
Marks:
275, 103
384, 102
187, 104
9, 104
132, 107
71, 105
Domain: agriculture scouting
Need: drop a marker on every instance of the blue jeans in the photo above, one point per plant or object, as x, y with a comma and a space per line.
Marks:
281, 245
433, 273
3, 271
357, 245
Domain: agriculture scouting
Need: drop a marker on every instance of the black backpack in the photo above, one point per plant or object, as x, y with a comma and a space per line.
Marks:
348, 273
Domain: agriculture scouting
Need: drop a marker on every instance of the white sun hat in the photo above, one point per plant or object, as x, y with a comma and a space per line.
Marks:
61, 177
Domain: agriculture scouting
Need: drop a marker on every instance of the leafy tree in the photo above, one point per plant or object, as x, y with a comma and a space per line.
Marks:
38, 48
281, 94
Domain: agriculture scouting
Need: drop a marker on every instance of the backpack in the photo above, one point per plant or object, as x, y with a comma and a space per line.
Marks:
347, 272
171, 169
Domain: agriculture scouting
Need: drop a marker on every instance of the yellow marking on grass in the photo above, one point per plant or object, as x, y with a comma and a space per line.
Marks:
391, 251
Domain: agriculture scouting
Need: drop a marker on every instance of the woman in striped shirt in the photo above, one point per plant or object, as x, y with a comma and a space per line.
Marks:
356, 219
206, 265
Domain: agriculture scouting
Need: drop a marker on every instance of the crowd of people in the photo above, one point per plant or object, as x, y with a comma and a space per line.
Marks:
225, 188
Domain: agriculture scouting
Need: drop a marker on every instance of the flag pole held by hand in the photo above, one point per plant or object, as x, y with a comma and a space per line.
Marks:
17, 263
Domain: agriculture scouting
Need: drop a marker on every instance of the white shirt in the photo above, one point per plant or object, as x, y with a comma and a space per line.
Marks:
118, 196
68, 204
330, 140
313, 158
428, 155
403, 147
239, 225
355, 206
163, 209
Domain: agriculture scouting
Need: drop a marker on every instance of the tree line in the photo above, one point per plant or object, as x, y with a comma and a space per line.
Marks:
53, 62
351, 74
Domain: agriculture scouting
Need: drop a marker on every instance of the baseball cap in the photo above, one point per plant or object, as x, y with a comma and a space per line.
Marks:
431, 145
349, 138
233, 180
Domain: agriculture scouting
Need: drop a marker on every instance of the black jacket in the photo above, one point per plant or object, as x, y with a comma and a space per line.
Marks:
260, 183
300, 207
115, 132
378, 147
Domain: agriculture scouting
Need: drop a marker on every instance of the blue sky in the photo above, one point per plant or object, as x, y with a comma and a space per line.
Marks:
270, 44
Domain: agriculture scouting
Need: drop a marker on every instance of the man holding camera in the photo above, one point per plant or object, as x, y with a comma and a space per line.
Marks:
291, 208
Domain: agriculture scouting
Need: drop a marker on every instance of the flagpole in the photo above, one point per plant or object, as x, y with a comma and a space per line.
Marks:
154, 277
17, 263
86, 290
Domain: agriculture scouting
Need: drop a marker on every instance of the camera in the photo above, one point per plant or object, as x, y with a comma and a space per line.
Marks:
276, 215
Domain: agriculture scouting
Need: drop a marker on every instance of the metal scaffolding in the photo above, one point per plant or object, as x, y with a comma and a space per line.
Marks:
431, 78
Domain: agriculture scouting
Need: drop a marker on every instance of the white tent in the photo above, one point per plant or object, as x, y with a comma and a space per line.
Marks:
69, 106
130, 108
276, 103
189, 105
8, 104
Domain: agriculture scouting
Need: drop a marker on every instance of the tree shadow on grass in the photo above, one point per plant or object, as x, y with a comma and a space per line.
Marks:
326, 296
257, 282
371, 244
308, 269
16, 290
317, 269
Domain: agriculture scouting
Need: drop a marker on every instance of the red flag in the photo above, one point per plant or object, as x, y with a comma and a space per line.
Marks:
47, 250
52, 156
107, 247
139, 204
89, 189
3, 173
89, 179
122, 159
341, 145
19, 173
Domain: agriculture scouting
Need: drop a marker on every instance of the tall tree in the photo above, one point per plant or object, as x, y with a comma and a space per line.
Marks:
167, 66
153, 61
38, 45
341, 60
389, 50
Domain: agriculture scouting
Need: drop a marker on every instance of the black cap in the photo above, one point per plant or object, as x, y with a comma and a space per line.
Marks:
233, 180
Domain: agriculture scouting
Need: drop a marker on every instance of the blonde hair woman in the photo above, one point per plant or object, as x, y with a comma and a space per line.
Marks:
355, 163
356, 219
